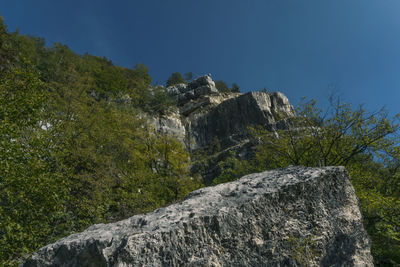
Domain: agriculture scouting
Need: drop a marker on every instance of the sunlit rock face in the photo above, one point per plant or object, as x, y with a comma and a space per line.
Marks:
207, 114
287, 217
203, 116
183, 93
230, 120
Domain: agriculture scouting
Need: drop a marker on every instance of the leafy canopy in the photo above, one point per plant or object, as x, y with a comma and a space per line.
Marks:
175, 78
75, 146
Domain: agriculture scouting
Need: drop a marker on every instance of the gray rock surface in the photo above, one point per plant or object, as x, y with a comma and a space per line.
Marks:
170, 124
230, 120
287, 217
207, 114
201, 86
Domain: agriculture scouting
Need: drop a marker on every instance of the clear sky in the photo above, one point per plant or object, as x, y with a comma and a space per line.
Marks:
299, 47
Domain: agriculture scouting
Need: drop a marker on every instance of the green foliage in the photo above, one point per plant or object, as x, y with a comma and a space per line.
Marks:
109, 81
159, 102
188, 76
222, 86
7, 53
29, 47
104, 148
30, 194
316, 139
175, 78
71, 153
139, 75
232, 169
117, 167
235, 88
56, 64
70, 156
376, 185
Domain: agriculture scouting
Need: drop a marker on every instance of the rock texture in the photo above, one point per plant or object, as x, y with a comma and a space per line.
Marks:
229, 121
204, 116
288, 217
195, 89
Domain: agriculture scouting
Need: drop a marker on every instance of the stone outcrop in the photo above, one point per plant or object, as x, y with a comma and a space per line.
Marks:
288, 217
171, 124
229, 121
204, 116
195, 89
207, 114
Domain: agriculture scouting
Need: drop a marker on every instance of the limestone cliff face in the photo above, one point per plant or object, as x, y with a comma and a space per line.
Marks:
288, 217
229, 121
204, 114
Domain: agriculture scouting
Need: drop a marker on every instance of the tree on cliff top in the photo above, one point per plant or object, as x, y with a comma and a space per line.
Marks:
175, 78
235, 88
325, 138
222, 86
189, 76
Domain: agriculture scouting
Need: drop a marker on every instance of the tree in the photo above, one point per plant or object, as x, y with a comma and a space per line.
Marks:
141, 72
235, 88
70, 154
8, 53
334, 137
31, 196
189, 76
175, 78
376, 184
160, 103
222, 86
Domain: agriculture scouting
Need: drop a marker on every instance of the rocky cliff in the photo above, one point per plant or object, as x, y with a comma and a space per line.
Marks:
289, 217
205, 116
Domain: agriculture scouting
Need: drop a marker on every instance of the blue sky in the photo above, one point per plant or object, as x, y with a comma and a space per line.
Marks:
299, 47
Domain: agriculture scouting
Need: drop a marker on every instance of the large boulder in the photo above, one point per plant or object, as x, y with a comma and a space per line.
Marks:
288, 217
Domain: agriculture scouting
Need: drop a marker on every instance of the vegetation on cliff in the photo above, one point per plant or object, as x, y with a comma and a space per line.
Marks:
75, 149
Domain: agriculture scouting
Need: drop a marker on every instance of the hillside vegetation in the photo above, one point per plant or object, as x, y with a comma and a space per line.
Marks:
76, 149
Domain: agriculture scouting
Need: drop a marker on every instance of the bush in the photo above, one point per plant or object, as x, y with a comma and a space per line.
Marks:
175, 78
